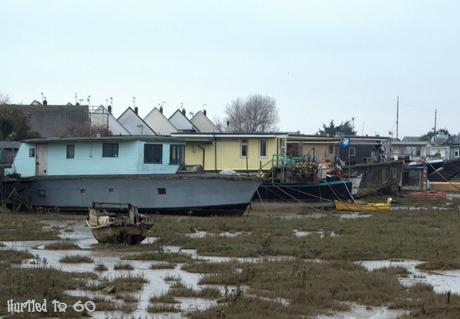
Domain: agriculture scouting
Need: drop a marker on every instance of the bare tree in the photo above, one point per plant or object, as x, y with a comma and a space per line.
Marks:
4, 99
256, 113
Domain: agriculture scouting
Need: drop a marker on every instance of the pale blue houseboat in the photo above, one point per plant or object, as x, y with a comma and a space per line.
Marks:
146, 171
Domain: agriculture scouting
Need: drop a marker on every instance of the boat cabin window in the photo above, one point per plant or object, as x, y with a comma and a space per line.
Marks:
31, 152
109, 149
70, 150
244, 148
176, 154
153, 153
263, 148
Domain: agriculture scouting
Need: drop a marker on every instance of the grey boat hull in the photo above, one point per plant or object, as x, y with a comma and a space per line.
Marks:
150, 193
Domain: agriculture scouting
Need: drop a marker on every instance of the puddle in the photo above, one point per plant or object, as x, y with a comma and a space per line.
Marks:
352, 215
321, 233
203, 234
442, 281
364, 312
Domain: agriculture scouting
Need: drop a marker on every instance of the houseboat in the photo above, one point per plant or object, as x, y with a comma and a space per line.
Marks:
147, 171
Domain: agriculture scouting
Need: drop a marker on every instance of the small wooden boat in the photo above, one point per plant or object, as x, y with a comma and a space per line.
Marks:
362, 207
117, 228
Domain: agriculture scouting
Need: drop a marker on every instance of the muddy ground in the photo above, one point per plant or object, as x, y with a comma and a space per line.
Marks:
275, 262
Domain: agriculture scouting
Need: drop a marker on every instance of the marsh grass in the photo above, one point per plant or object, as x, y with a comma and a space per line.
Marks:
128, 283
314, 288
101, 267
76, 259
162, 308
39, 283
23, 226
209, 267
165, 298
14, 256
160, 256
440, 265
123, 266
206, 293
405, 235
162, 265
62, 245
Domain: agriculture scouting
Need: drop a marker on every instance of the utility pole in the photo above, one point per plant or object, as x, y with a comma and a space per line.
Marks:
435, 119
397, 117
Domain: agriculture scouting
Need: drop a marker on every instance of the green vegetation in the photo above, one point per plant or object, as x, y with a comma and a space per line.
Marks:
75, 259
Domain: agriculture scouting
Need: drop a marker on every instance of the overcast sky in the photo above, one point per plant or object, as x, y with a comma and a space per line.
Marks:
320, 60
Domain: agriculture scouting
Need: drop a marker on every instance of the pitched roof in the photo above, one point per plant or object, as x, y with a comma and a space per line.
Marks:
102, 117
182, 123
159, 123
204, 124
134, 124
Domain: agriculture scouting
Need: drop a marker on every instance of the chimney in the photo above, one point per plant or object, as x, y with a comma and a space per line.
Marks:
110, 109
45, 102
204, 112
136, 110
183, 111
161, 109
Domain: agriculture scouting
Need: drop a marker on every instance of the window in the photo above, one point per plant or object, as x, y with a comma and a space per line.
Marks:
161, 191
153, 153
244, 148
110, 150
352, 151
457, 153
263, 148
176, 154
41, 193
70, 150
32, 152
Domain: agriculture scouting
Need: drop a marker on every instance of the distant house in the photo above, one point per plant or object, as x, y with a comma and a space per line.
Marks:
364, 149
159, 123
56, 120
134, 124
102, 117
410, 150
203, 123
182, 123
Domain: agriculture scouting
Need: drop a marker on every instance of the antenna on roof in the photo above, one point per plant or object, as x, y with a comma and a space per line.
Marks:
204, 109
88, 99
76, 98
42, 97
134, 101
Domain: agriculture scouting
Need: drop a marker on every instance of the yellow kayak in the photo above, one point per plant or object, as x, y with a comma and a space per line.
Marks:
369, 207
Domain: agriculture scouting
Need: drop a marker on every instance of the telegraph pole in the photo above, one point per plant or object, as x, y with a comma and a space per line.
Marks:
397, 117
435, 120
